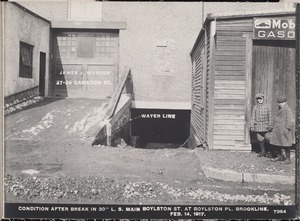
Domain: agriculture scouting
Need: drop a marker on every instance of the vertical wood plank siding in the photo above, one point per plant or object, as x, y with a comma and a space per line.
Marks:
229, 99
207, 83
235, 67
201, 63
197, 113
274, 76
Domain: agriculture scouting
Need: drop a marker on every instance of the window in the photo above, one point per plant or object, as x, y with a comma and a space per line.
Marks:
86, 45
26, 52
66, 46
105, 46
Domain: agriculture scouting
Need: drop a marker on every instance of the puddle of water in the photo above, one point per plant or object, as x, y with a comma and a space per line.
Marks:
31, 171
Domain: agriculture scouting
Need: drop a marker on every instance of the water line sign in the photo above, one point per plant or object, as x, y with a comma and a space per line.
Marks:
274, 28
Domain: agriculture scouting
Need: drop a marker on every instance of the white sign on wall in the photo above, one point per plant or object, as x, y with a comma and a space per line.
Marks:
164, 57
274, 28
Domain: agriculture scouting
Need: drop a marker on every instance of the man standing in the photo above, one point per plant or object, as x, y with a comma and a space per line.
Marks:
283, 134
261, 122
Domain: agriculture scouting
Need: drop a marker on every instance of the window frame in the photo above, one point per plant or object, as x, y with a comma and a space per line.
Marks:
25, 60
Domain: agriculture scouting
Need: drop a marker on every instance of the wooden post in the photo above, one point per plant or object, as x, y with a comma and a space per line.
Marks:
108, 134
248, 86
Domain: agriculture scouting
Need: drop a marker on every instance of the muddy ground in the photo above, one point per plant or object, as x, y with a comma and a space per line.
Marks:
49, 158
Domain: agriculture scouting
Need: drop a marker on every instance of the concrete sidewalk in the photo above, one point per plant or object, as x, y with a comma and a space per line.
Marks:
245, 167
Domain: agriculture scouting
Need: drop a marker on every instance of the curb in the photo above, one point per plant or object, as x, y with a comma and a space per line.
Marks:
233, 176
229, 175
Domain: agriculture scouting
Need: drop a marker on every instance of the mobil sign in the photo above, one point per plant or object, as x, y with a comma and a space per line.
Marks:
274, 28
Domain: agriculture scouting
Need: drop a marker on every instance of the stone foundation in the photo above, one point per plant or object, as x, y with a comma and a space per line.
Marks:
20, 97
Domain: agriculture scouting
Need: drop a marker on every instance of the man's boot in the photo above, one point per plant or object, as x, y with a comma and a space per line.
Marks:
288, 156
262, 148
281, 156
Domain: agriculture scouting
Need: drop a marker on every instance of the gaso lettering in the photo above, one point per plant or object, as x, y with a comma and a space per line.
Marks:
276, 34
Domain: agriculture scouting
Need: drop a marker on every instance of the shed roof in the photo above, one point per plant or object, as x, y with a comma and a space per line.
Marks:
250, 14
239, 15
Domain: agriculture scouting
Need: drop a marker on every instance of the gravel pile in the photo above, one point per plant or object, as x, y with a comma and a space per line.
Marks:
123, 191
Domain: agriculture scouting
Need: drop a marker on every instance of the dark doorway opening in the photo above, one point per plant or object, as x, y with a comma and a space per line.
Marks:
160, 128
42, 73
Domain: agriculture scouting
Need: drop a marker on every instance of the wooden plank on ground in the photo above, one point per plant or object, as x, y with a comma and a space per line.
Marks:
224, 142
232, 147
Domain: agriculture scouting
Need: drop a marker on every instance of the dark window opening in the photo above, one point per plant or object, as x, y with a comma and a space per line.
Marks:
160, 126
26, 54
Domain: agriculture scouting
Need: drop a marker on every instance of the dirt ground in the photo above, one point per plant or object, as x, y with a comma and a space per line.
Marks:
49, 158
246, 162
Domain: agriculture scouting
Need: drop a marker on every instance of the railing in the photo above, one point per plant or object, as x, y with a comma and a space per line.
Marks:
113, 102
106, 131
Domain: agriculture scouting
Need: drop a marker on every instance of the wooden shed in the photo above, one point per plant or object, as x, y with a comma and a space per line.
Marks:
233, 58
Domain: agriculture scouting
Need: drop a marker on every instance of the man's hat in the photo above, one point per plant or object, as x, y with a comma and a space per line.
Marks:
259, 95
281, 99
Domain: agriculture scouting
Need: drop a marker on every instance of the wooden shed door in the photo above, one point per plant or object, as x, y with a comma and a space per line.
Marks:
85, 64
274, 71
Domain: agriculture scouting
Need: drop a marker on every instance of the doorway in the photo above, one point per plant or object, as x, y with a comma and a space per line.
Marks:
42, 74
273, 72
85, 64
160, 126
